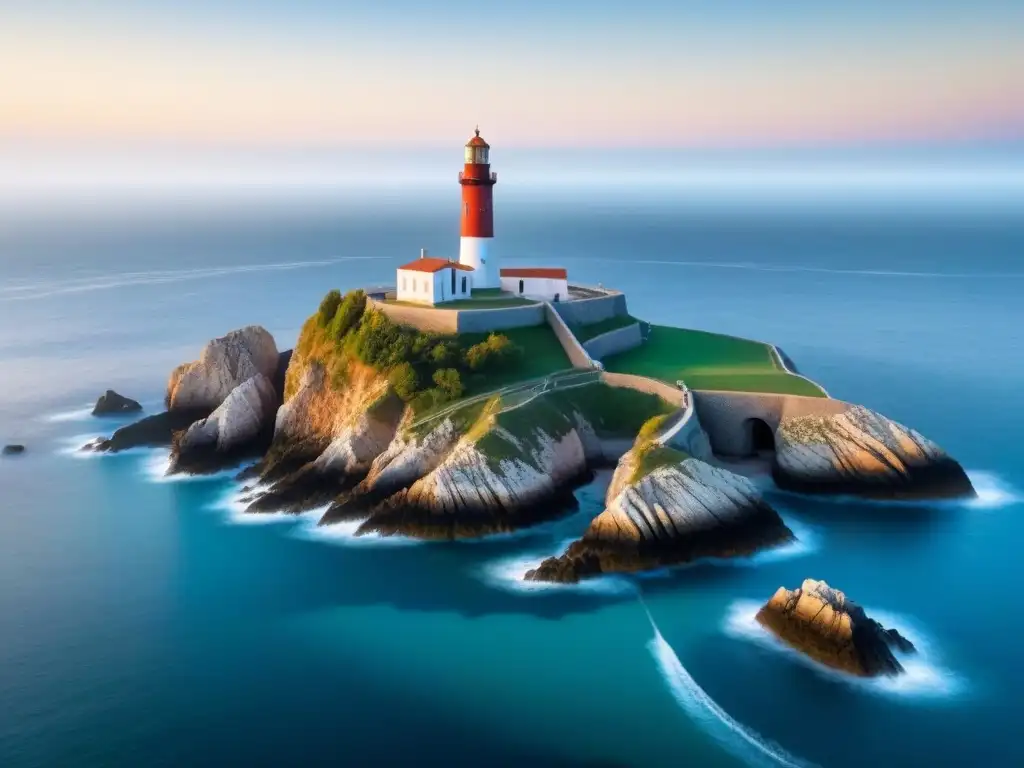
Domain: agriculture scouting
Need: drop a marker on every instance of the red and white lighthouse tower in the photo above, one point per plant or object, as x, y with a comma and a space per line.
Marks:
476, 248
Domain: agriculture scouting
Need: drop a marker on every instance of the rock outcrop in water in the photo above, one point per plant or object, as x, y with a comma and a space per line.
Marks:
224, 363
209, 423
150, 432
13, 449
110, 402
242, 424
820, 622
665, 508
861, 452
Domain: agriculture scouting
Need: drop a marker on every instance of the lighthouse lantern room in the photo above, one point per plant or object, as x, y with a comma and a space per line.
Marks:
476, 249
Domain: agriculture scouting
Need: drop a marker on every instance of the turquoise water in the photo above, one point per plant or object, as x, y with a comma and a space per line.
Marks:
145, 622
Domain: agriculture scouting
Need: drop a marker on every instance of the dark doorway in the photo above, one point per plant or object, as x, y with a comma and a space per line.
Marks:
453, 283
762, 438
463, 285
520, 286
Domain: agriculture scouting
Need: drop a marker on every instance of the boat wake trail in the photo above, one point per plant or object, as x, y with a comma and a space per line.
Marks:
736, 738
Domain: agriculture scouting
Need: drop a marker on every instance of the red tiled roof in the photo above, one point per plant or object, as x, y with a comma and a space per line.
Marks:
433, 264
556, 273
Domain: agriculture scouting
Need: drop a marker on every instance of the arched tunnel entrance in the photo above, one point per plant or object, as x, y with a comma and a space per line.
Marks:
762, 438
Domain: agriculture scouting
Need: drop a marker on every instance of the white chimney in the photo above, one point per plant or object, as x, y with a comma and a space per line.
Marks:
423, 253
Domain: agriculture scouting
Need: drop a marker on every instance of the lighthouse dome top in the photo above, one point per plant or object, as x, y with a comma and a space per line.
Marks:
477, 140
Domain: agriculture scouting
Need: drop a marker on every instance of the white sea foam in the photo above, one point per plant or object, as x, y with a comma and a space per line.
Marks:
72, 446
993, 491
344, 534
78, 414
736, 738
233, 506
509, 572
158, 462
923, 678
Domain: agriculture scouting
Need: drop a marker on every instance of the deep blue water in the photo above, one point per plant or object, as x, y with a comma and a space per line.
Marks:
144, 623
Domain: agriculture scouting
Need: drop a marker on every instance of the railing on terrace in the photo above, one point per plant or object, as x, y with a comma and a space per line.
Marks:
462, 176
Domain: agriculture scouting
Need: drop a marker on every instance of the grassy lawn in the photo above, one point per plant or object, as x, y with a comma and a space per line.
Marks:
709, 361
542, 354
499, 302
588, 332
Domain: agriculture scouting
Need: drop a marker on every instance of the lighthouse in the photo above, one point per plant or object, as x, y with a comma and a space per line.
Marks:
477, 244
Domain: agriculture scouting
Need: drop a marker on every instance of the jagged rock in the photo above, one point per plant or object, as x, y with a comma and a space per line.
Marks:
110, 402
861, 452
152, 431
679, 510
820, 622
235, 428
225, 363
473, 491
13, 449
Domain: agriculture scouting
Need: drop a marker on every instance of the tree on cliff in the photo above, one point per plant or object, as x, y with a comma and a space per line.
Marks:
449, 382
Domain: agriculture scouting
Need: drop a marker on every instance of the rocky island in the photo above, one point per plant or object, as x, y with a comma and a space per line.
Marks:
820, 622
425, 433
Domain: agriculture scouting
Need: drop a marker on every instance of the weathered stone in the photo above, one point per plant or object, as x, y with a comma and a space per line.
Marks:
110, 402
861, 452
225, 363
820, 622
151, 431
676, 512
471, 494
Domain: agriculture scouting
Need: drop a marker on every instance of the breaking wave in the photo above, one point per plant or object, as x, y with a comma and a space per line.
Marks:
508, 572
993, 491
344, 534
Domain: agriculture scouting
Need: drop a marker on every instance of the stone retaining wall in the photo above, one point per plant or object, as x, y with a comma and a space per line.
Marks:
587, 311
727, 416
613, 342
437, 320
573, 349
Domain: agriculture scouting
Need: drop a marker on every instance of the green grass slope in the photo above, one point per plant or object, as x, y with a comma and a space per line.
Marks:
710, 361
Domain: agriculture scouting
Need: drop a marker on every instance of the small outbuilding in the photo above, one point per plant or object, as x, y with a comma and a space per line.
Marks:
548, 283
432, 280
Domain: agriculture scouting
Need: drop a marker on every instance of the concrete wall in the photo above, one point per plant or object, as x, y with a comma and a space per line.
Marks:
587, 311
643, 384
439, 320
614, 342
726, 416
480, 320
573, 349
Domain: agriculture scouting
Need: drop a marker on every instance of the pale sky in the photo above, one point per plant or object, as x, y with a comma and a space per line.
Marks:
586, 74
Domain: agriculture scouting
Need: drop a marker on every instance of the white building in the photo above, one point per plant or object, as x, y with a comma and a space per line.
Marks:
549, 283
431, 280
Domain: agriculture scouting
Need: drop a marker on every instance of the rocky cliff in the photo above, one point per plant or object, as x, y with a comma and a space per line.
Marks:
220, 407
820, 622
225, 363
490, 479
664, 507
862, 452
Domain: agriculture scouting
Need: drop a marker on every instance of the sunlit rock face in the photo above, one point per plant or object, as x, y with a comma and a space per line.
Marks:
864, 453
823, 624
673, 513
224, 363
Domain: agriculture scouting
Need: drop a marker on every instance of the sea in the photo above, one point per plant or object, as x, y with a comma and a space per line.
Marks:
147, 621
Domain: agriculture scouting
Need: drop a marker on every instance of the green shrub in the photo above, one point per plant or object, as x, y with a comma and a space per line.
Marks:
328, 307
444, 354
449, 382
404, 381
347, 315
496, 351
